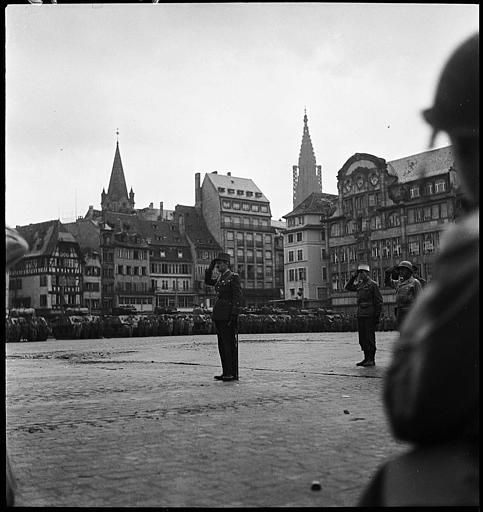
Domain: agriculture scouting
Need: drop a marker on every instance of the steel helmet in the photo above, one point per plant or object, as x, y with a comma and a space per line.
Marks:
406, 264
456, 102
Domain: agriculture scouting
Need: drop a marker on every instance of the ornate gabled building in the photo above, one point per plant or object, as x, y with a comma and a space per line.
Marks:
387, 212
307, 176
117, 198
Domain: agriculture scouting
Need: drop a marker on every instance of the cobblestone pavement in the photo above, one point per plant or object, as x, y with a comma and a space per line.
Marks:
141, 422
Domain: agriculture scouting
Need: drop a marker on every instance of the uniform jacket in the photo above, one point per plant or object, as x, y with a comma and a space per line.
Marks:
406, 292
228, 294
431, 387
369, 298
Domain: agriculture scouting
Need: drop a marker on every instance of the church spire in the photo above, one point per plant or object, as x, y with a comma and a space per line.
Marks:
307, 175
117, 198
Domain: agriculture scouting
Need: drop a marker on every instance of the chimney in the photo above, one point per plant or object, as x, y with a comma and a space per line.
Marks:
151, 206
160, 216
214, 172
181, 224
197, 190
228, 173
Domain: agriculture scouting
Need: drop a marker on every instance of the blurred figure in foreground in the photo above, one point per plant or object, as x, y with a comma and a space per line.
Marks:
431, 389
15, 249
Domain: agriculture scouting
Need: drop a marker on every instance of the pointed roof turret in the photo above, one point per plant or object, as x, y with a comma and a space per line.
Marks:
117, 184
306, 156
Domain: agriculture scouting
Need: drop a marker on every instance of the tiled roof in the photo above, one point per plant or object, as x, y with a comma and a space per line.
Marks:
426, 164
233, 182
154, 232
196, 228
44, 236
317, 202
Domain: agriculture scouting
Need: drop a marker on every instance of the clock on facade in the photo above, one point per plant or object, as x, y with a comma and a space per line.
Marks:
360, 182
374, 179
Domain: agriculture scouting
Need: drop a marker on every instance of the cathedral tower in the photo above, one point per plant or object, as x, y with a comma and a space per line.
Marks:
307, 176
117, 198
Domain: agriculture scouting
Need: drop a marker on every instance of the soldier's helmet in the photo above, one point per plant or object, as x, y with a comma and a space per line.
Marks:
456, 103
406, 264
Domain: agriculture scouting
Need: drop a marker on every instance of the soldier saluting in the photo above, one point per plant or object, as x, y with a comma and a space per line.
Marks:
407, 289
225, 313
369, 306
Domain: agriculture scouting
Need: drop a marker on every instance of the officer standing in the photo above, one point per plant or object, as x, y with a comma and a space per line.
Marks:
369, 306
225, 313
407, 289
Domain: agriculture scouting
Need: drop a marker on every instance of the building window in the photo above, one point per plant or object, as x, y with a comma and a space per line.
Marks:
301, 274
300, 220
229, 235
376, 222
120, 269
324, 254
226, 204
128, 270
440, 186
444, 210
393, 220
255, 208
162, 254
429, 188
268, 239
324, 273
43, 301
180, 254
43, 280
290, 239
246, 207
264, 209
413, 245
236, 205
136, 271
268, 255
249, 194
290, 256
249, 237
427, 213
300, 256
335, 229
221, 189
299, 237
231, 191
351, 227
250, 255
414, 191
239, 237
239, 192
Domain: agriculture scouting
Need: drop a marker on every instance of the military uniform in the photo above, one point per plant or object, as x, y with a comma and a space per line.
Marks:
369, 306
227, 305
406, 293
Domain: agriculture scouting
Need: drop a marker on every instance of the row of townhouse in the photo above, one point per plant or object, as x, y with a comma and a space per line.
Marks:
147, 258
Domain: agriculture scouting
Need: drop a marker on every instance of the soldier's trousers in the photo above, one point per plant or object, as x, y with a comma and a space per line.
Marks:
367, 336
227, 347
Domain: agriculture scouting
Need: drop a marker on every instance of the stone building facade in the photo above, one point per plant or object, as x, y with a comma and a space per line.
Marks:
238, 216
387, 212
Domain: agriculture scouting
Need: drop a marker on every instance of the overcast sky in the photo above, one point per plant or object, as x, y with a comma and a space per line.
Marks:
205, 87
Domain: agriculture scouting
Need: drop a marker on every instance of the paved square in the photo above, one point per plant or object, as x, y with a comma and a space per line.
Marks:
141, 422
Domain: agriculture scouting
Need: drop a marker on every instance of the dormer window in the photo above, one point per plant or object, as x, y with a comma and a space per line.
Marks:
162, 254
231, 191
180, 254
414, 191
239, 192
221, 189
258, 194
249, 194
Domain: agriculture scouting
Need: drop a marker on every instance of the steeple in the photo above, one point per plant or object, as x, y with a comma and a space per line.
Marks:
307, 175
117, 198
